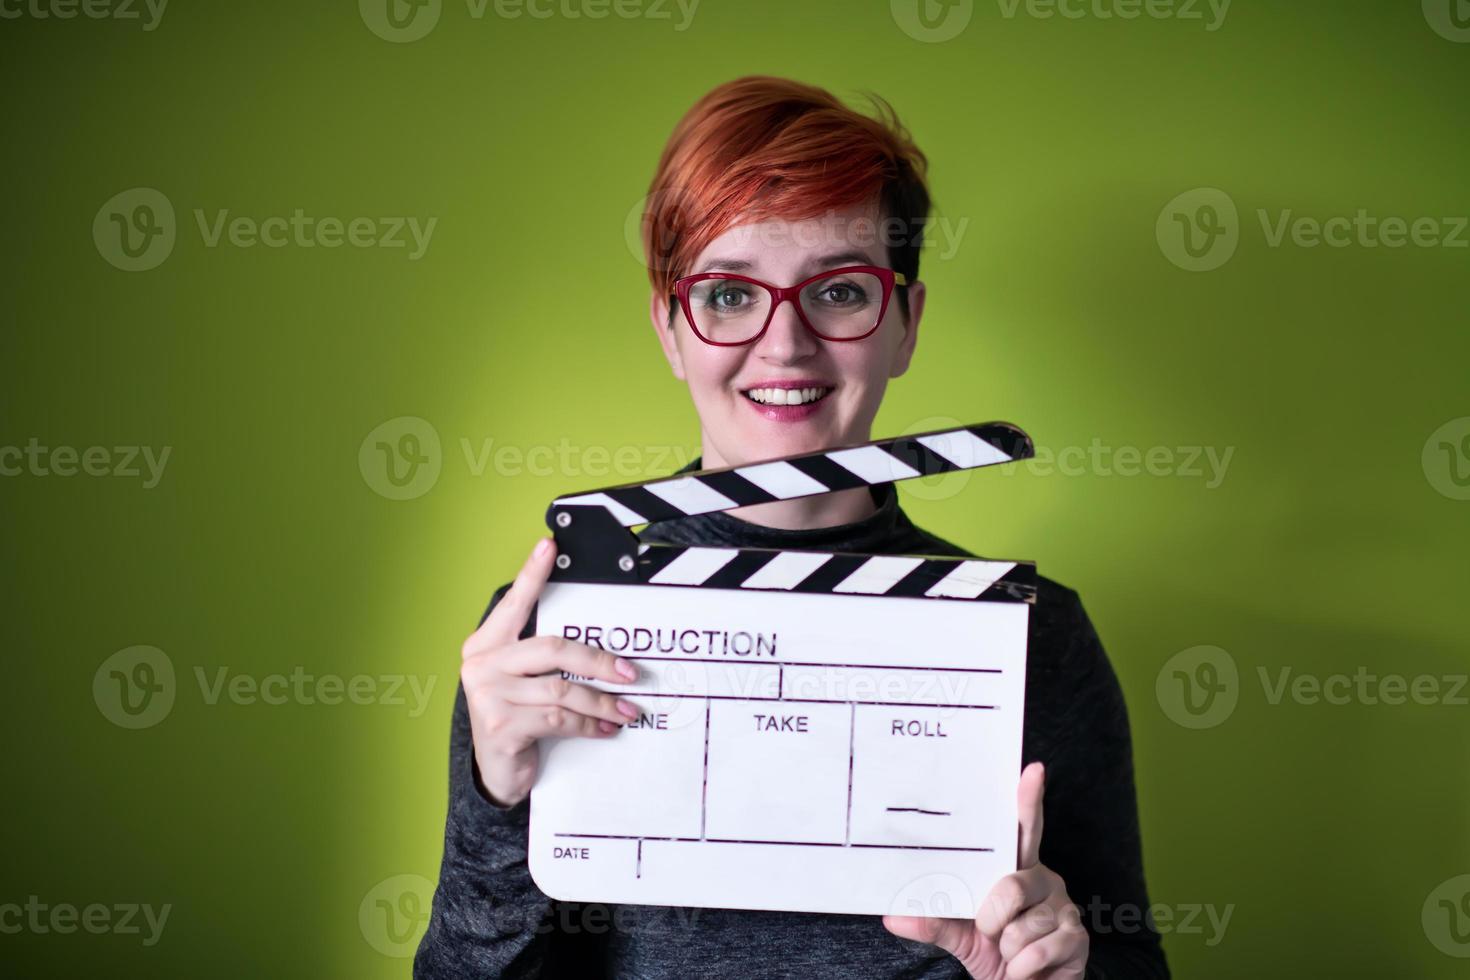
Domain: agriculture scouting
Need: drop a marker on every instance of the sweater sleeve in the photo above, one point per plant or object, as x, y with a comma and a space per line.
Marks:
488, 918
1090, 832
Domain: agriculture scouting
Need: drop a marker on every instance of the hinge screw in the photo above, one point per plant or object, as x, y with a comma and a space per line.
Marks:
626, 563
563, 561
563, 519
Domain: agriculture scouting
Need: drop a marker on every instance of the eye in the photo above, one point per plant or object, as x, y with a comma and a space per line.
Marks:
841, 292
728, 297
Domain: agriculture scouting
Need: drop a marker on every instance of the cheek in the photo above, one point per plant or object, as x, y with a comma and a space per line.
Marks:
710, 370
883, 353
862, 364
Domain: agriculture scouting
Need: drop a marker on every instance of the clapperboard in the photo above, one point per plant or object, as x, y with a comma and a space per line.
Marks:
819, 732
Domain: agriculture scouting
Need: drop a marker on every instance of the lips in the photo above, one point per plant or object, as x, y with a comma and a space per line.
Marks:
787, 400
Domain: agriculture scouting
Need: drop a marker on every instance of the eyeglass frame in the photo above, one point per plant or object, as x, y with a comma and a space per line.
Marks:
780, 294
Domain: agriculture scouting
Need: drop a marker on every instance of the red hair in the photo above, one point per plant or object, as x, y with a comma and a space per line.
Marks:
761, 147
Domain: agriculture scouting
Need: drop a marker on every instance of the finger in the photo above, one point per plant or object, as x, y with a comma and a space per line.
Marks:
1028, 927
1067, 945
550, 689
508, 618
1029, 811
1012, 895
542, 722
543, 654
947, 934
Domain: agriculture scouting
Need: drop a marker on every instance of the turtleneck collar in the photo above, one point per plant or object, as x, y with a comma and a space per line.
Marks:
886, 527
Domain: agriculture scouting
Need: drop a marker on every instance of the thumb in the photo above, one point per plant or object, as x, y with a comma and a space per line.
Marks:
947, 934
1029, 811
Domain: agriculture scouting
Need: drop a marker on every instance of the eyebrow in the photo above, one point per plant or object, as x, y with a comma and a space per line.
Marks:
812, 265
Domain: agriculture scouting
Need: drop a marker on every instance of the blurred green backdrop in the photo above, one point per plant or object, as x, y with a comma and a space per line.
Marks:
1071, 156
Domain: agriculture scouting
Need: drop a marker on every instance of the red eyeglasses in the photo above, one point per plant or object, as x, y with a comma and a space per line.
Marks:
728, 310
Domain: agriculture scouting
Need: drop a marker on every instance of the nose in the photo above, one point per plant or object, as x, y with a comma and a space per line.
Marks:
786, 339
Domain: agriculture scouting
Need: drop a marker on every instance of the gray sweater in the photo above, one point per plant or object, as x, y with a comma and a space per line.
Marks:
490, 920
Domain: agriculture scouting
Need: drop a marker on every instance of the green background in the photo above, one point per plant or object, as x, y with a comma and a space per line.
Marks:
1328, 546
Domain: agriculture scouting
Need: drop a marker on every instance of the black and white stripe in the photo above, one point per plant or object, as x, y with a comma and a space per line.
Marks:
913, 576
882, 461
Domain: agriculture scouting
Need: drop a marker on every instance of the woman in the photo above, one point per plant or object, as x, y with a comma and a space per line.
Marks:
767, 184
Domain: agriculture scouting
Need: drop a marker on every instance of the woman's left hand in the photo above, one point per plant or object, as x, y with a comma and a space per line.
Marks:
1027, 927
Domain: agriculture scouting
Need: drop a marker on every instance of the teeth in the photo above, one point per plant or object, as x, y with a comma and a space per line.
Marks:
785, 396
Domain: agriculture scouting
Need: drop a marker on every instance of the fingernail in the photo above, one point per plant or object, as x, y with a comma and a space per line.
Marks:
542, 547
626, 668
606, 727
626, 708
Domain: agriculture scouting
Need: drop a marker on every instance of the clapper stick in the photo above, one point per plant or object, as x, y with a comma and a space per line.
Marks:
594, 543
802, 714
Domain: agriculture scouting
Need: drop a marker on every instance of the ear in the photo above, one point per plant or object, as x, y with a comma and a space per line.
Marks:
905, 350
658, 315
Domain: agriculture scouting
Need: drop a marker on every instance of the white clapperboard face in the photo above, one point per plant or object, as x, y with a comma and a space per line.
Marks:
819, 732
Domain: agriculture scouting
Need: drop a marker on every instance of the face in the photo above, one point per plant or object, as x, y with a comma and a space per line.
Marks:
731, 386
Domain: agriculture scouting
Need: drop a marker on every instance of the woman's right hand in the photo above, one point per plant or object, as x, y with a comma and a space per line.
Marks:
516, 692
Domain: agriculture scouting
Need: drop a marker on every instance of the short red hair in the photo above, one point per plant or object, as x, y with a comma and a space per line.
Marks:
761, 147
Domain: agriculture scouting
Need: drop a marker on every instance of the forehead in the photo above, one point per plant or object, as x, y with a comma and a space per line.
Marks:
853, 234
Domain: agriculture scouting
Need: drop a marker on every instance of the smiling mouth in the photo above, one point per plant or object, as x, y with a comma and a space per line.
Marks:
786, 396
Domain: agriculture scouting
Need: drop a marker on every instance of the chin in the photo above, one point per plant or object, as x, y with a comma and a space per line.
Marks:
781, 440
